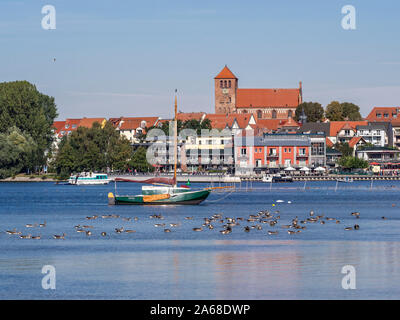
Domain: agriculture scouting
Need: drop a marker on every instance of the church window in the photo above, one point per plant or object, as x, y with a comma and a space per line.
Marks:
225, 85
229, 83
221, 84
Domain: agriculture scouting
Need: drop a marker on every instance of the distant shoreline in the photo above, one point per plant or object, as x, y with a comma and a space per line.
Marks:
218, 179
28, 179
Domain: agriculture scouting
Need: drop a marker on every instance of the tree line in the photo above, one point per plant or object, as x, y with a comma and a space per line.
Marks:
26, 120
334, 111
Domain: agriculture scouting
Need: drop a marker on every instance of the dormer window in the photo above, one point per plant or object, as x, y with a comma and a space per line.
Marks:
379, 115
73, 126
386, 115
66, 126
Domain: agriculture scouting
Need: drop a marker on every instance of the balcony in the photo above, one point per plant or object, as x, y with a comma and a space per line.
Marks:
272, 155
299, 156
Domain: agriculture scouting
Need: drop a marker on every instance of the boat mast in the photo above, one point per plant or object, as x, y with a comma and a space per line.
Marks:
175, 137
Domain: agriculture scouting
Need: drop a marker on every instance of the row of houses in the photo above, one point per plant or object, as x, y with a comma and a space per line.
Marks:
248, 143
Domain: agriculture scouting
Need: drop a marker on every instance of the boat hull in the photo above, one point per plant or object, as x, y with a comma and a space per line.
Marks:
186, 198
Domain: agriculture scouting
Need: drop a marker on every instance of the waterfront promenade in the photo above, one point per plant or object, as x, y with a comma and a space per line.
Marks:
218, 178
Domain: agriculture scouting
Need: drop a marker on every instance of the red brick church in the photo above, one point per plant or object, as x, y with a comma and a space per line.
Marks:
263, 103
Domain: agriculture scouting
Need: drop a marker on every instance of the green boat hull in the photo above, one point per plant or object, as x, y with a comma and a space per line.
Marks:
186, 198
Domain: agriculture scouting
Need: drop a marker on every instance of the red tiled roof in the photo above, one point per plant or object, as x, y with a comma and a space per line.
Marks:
134, 123
270, 124
58, 125
353, 141
190, 116
329, 142
290, 123
259, 98
225, 74
390, 111
221, 121
336, 126
88, 122
115, 121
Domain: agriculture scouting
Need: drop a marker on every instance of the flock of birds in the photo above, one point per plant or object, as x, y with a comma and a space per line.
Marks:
265, 219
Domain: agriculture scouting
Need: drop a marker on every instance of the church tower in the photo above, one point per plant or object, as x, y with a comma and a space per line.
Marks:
226, 85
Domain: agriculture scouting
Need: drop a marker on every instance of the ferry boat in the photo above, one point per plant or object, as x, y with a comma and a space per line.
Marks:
87, 178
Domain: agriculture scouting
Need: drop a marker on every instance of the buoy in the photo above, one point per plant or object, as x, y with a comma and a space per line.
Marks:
111, 199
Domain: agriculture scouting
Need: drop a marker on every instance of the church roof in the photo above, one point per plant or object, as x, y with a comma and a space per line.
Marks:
258, 98
225, 74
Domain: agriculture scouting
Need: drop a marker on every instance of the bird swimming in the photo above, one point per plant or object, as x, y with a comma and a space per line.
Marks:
56, 236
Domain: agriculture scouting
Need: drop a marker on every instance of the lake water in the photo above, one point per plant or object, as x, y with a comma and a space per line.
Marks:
183, 264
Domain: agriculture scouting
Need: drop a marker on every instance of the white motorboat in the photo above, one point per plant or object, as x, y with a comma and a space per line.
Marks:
88, 178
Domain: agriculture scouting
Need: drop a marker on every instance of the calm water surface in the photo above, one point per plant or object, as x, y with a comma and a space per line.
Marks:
152, 264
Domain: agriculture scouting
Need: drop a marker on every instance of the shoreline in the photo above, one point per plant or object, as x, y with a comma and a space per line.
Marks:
221, 179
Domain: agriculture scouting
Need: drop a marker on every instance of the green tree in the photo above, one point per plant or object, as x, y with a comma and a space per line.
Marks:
23, 106
334, 111
93, 149
16, 150
139, 161
349, 162
344, 149
313, 111
351, 111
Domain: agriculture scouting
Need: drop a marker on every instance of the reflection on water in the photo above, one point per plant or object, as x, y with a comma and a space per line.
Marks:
213, 270
183, 264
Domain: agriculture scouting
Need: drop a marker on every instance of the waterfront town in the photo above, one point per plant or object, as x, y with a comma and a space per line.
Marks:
256, 131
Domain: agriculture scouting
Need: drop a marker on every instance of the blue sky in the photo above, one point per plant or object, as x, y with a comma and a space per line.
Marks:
125, 58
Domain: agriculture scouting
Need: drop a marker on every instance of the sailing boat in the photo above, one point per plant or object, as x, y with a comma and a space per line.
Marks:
164, 190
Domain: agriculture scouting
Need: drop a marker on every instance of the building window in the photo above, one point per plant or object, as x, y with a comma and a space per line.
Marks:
272, 152
273, 114
259, 114
225, 85
290, 113
229, 83
221, 84
386, 115
243, 151
379, 115
302, 151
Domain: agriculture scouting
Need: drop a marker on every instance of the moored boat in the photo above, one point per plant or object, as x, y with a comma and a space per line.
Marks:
164, 191
88, 178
